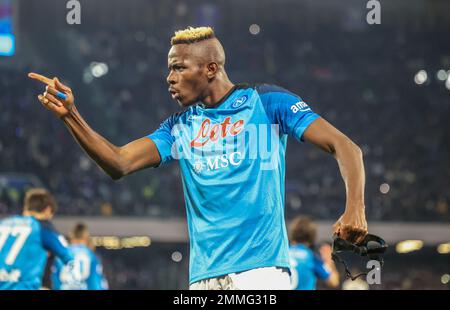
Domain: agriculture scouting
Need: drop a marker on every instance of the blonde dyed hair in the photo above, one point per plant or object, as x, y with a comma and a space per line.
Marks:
191, 35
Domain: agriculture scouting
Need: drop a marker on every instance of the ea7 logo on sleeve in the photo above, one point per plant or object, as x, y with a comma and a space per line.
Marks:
300, 106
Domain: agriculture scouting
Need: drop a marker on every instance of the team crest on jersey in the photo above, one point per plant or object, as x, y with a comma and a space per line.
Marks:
239, 101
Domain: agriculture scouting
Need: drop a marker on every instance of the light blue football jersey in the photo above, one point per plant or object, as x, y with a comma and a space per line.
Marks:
87, 266
24, 242
306, 268
232, 162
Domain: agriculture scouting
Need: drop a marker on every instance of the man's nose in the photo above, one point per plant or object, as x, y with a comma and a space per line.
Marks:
171, 78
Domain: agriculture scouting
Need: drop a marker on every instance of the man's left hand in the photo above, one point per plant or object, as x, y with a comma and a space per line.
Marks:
351, 226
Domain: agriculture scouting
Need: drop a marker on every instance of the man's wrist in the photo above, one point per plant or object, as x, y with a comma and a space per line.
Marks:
355, 206
72, 112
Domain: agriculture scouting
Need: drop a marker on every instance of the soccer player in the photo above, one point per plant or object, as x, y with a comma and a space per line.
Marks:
233, 183
86, 264
25, 240
306, 266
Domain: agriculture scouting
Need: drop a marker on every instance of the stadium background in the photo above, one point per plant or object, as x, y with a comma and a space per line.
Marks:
387, 86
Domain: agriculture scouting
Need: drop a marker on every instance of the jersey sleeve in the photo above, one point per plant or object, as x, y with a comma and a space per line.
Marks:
164, 139
286, 109
320, 269
96, 279
55, 242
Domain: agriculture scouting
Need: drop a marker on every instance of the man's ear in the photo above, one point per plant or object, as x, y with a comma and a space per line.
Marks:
212, 68
48, 212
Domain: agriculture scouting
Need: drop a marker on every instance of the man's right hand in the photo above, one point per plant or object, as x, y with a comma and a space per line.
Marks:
114, 160
49, 98
325, 252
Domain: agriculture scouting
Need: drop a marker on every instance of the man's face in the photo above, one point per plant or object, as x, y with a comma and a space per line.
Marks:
187, 75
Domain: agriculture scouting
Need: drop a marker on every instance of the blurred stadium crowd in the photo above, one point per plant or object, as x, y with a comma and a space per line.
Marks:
359, 78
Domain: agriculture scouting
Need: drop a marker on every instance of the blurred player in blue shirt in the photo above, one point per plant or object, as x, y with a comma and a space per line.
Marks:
25, 240
86, 264
307, 266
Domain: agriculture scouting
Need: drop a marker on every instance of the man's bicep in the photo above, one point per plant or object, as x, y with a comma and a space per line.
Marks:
139, 154
323, 135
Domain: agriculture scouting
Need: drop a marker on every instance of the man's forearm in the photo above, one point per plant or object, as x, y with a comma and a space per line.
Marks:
351, 165
352, 225
104, 153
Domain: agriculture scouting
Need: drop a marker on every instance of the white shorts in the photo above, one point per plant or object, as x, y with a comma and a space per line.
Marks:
267, 278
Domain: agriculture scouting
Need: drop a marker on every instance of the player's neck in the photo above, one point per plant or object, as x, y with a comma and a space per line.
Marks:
78, 242
36, 215
217, 92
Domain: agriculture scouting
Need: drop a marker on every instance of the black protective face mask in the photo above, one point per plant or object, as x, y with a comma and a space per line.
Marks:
372, 246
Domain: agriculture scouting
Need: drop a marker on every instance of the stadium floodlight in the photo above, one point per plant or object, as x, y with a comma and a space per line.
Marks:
441, 75
408, 246
445, 278
177, 256
384, 188
254, 29
98, 69
421, 77
444, 248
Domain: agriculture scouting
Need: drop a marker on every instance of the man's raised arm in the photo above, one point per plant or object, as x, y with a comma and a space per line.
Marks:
114, 160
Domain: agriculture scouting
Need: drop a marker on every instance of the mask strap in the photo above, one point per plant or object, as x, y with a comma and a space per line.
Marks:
347, 271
